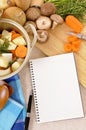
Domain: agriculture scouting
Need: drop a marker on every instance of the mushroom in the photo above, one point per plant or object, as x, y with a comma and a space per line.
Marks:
33, 13
43, 22
57, 19
48, 9
42, 36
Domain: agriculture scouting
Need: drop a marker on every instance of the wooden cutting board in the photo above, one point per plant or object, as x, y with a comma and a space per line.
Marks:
55, 45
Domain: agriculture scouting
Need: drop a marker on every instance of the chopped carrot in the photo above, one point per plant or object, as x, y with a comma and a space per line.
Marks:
15, 35
72, 38
77, 42
75, 46
74, 23
21, 51
13, 32
68, 47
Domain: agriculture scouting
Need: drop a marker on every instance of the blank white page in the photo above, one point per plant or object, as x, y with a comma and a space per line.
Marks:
56, 88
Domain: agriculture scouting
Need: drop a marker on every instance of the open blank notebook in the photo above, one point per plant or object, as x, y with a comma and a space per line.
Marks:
56, 88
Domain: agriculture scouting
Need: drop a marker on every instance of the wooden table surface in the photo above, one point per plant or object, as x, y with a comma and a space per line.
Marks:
73, 124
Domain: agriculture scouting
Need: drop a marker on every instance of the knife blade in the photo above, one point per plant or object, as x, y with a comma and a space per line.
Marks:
78, 35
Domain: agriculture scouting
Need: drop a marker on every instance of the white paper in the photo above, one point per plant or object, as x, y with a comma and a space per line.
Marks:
57, 88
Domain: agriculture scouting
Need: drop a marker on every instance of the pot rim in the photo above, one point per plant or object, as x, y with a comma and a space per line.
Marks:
27, 39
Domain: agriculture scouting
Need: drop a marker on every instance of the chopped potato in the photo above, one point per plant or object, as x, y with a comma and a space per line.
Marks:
12, 46
3, 62
5, 72
7, 35
15, 66
8, 56
19, 41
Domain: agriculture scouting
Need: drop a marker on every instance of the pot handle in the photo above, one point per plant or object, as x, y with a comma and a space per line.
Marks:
35, 36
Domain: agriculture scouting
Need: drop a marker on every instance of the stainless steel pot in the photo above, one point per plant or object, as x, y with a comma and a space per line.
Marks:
10, 25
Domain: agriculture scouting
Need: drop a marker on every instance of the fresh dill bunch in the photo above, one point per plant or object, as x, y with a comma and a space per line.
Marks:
76, 8
4, 46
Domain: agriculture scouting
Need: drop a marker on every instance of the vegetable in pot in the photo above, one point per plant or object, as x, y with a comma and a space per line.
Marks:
13, 50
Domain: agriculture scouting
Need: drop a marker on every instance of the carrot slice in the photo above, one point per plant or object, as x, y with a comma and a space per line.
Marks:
72, 38
15, 35
67, 47
77, 42
76, 45
21, 51
13, 32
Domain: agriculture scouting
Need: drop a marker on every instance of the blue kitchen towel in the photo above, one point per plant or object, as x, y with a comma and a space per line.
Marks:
9, 114
19, 97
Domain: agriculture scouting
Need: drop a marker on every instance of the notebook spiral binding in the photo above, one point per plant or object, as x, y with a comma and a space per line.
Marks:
34, 92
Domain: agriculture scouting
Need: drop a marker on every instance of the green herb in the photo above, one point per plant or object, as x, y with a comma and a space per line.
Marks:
4, 46
76, 8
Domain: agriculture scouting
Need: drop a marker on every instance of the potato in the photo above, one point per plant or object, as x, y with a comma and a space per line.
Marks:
3, 4
5, 72
15, 14
6, 3
11, 2
23, 4
37, 3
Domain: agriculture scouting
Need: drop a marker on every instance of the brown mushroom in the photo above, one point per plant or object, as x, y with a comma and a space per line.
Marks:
33, 13
57, 19
43, 22
42, 36
48, 9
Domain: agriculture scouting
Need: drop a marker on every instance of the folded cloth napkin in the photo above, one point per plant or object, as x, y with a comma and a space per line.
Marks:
18, 96
9, 114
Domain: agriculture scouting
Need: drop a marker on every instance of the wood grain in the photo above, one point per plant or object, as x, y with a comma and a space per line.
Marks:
55, 46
